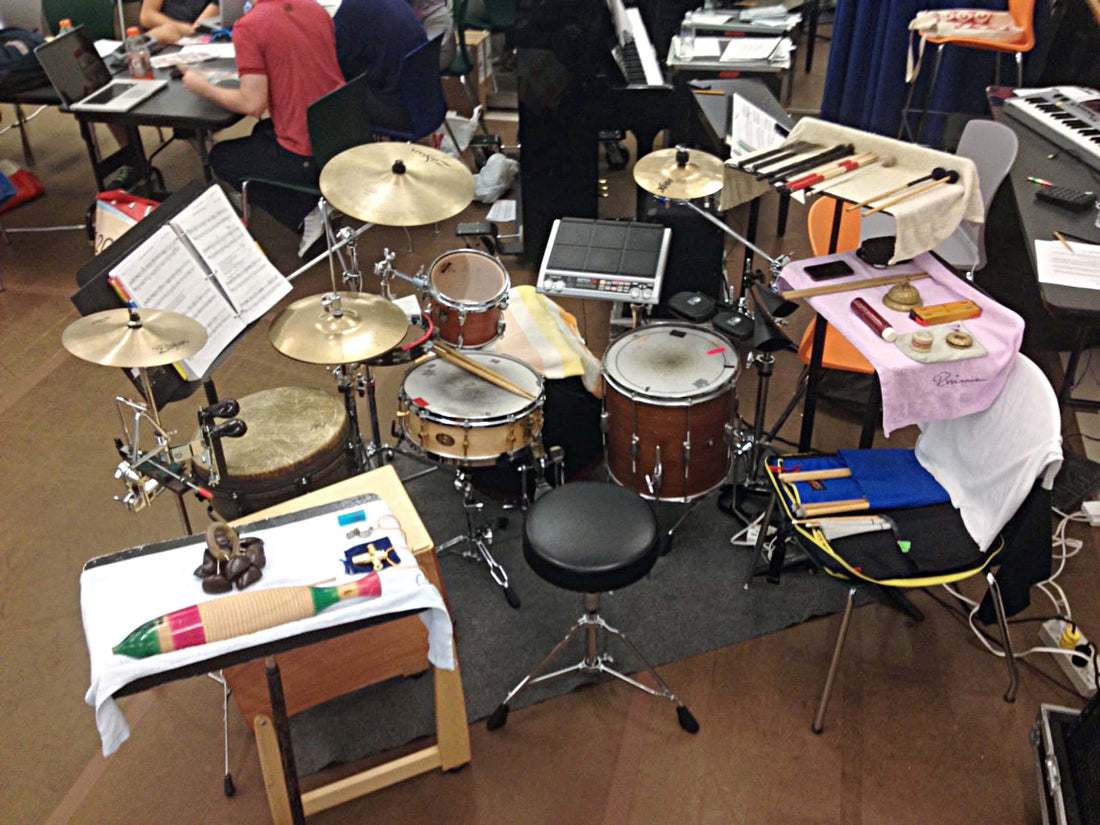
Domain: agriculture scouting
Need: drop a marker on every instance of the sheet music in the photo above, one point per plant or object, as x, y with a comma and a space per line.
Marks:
249, 279
162, 274
203, 264
1080, 268
751, 128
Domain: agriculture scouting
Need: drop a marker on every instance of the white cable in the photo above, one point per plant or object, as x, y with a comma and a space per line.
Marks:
736, 537
15, 125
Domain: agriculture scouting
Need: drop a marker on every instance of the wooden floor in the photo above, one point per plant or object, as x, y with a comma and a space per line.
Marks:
917, 731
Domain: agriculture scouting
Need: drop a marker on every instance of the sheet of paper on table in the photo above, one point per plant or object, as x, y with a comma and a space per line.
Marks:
1080, 268
707, 48
752, 50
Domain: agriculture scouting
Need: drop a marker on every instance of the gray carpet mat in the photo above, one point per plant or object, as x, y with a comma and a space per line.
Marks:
691, 602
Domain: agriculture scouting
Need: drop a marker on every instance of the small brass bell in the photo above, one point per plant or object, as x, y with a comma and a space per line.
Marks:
902, 297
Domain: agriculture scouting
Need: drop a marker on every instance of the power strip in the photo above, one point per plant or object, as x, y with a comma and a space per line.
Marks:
1083, 677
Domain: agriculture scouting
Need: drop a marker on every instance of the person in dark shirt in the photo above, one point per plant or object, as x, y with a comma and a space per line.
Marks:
169, 20
372, 37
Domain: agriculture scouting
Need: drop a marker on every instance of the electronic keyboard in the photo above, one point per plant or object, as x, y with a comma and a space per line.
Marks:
1068, 116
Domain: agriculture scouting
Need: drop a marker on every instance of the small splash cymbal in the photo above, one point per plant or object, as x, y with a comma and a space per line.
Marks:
339, 328
134, 337
680, 174
397, 184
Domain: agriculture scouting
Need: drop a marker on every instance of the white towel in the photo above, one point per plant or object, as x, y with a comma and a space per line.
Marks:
117, 597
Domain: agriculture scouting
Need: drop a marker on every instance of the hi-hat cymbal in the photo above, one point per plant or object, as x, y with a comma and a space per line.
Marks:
339, 328
134, 338
679, 173
397, 184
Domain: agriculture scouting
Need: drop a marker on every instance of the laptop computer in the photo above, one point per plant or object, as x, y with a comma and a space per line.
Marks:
82, 80
230, 11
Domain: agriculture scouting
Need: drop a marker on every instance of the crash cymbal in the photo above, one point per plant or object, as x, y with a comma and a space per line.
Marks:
679, 173
134, 338
397, 184
339, 328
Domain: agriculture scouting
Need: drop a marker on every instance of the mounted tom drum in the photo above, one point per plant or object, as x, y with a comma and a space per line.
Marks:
467, 294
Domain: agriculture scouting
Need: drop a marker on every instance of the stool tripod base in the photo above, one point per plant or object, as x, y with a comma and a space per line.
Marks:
593, 662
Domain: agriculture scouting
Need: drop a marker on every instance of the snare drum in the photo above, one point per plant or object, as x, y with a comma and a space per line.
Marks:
456, 417
297, 440
468, 291
668, 410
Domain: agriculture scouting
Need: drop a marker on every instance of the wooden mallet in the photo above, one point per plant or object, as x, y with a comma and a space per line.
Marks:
951, 177
936, 174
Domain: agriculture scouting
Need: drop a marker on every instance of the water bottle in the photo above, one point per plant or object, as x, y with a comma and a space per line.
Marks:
137, 55
686, 50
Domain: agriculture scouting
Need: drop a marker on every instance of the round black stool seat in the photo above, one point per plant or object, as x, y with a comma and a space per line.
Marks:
591, 537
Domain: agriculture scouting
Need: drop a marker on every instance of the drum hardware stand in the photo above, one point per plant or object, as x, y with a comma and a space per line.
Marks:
744, 323
351, 382
334, 247
386, 272
478, 538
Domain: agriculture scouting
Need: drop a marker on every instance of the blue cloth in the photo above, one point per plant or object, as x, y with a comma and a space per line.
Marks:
372, 37
886, 478
865, 83
7, 190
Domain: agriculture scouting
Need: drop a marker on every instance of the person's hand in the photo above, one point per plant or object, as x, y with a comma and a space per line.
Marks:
194, 81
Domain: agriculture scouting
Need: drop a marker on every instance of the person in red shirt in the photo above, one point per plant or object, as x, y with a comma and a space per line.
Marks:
286, 58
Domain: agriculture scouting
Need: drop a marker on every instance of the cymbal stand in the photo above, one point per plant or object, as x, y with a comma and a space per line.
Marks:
334, 246
356, 380
478, 538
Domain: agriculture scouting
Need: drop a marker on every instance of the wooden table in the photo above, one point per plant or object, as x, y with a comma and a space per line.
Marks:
316, 673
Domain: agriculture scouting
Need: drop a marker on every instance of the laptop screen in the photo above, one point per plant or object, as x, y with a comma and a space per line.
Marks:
73, 65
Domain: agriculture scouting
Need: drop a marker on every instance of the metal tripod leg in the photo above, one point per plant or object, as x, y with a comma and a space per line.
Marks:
479, 538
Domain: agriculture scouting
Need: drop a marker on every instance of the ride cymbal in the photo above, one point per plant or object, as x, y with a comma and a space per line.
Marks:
339, 328
397, 184
134, 337
680, 174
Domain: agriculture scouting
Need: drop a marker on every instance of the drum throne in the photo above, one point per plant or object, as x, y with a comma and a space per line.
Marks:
565, 542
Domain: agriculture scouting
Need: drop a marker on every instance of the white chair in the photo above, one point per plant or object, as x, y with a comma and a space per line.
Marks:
992, 147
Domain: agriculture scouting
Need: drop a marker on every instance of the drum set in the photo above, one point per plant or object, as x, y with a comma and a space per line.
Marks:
669, 407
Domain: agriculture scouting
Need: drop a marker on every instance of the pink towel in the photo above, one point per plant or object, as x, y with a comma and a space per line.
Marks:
913, 392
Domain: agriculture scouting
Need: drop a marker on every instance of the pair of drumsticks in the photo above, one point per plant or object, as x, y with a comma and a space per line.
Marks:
939, 176
838, 168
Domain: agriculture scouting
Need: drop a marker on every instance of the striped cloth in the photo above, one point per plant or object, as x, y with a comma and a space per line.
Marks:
540, 333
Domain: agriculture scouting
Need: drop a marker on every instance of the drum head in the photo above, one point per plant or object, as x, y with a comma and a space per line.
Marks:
287, 426
467, 276
670, 361
445, 391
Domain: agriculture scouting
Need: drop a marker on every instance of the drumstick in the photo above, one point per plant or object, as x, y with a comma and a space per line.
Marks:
481, 371
840, 168
816, 475
952, 177
848, 286
843, 163
936, 174
826, 508
884, 162
800, 166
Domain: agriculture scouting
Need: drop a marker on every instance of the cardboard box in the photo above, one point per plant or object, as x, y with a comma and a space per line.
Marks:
480, 77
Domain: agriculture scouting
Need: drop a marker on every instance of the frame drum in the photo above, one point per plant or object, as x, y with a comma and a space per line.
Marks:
668, 410
454, 416
468, 292
297, 441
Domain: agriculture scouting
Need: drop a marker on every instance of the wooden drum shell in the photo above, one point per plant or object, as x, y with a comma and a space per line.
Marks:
669, 385
661, 424
297, 441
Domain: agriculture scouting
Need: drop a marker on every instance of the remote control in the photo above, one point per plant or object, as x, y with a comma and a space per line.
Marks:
1066, 198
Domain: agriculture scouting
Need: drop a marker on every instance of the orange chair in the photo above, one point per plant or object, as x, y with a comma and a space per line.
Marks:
838, 354
1023, 16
